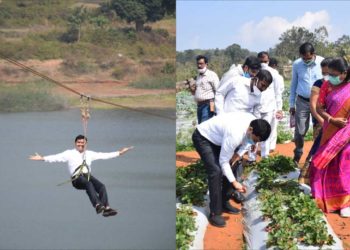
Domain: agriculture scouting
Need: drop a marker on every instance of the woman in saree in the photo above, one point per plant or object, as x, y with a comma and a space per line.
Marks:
330, 167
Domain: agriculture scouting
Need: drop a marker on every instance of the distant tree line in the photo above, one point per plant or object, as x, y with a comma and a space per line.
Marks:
286, 51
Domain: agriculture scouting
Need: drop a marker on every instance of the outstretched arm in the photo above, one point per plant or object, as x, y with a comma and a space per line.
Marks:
36, 157
124, 150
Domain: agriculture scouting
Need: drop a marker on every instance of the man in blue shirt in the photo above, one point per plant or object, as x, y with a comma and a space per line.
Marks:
305, 71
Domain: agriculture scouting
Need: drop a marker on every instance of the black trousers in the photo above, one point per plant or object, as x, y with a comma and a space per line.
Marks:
220, 189
95, 189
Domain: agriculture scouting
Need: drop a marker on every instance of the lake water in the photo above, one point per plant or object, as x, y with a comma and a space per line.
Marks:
37, 214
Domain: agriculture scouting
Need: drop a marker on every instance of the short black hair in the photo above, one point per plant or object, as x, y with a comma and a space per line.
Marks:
264, 75
80, 137
261, 128
262, 53
252, 62
306, 48
273, 62
325, 62
199, 57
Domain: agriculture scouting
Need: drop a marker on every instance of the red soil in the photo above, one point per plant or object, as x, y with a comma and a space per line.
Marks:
231, 236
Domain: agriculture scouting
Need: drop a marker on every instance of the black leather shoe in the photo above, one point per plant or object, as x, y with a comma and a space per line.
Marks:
237, 196
217, 220
228, 208
99, 208
109, 212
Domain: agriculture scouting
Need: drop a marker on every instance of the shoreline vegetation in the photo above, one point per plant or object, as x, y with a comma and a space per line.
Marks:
41, 96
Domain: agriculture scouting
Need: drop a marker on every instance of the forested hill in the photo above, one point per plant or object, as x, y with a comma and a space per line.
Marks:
92, 37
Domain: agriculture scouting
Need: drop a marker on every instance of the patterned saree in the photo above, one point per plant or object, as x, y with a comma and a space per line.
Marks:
330, 166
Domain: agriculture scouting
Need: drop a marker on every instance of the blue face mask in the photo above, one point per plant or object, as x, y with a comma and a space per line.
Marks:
246, 74
248, 139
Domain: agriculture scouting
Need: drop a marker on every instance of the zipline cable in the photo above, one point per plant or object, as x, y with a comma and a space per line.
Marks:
18, 64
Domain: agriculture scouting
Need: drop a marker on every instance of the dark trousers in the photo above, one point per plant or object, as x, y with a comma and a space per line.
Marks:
95, 189
203, 112
219, 187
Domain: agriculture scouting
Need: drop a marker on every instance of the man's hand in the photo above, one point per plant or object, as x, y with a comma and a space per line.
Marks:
239, 187
36, 157
279, 114
124, 150
292, 111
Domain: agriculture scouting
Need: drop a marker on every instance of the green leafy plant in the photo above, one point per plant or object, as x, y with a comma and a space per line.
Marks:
185, 225
293, 216
191, 184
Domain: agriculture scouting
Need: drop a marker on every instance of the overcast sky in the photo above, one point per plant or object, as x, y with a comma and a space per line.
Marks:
255, 25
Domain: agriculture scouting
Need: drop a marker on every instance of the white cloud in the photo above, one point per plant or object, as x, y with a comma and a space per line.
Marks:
264, 34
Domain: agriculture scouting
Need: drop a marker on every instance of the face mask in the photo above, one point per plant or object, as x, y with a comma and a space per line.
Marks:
264, 65
334, 80
246, 74
248, 140
326, 78
309, 62
257, 92
201, 71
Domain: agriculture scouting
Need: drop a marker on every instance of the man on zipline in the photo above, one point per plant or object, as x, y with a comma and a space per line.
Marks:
79, 166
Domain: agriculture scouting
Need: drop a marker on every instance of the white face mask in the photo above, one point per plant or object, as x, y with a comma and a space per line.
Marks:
326, 78
264, 65
201, 71
257, 92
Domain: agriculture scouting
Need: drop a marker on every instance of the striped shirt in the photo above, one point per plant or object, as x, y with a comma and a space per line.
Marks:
206, 85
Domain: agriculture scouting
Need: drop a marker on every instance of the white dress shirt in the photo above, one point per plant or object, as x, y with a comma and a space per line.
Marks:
271, 98
235, 70
206, 86
235, 95
227, 130
74, 158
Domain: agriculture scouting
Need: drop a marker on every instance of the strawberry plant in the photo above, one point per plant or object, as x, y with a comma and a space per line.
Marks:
185, 225
293, 216
191, 184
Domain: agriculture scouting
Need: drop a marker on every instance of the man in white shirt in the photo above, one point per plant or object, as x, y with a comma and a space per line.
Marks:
250, 68
242, 94
273, 63
79, 166
216, 141
271, 106
207, 82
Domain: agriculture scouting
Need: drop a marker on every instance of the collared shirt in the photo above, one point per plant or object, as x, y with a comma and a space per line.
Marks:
227, 130
271, 98
74, 158
303, 77
235, 95
206, 85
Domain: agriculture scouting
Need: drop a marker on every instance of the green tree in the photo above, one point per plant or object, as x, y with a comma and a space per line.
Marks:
342, 46
76, 20
140, 11
291, 41
236, 53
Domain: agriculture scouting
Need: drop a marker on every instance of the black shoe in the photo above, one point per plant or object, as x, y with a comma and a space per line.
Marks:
217, 220
100, 208
228, 208
238, 197
109, 212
